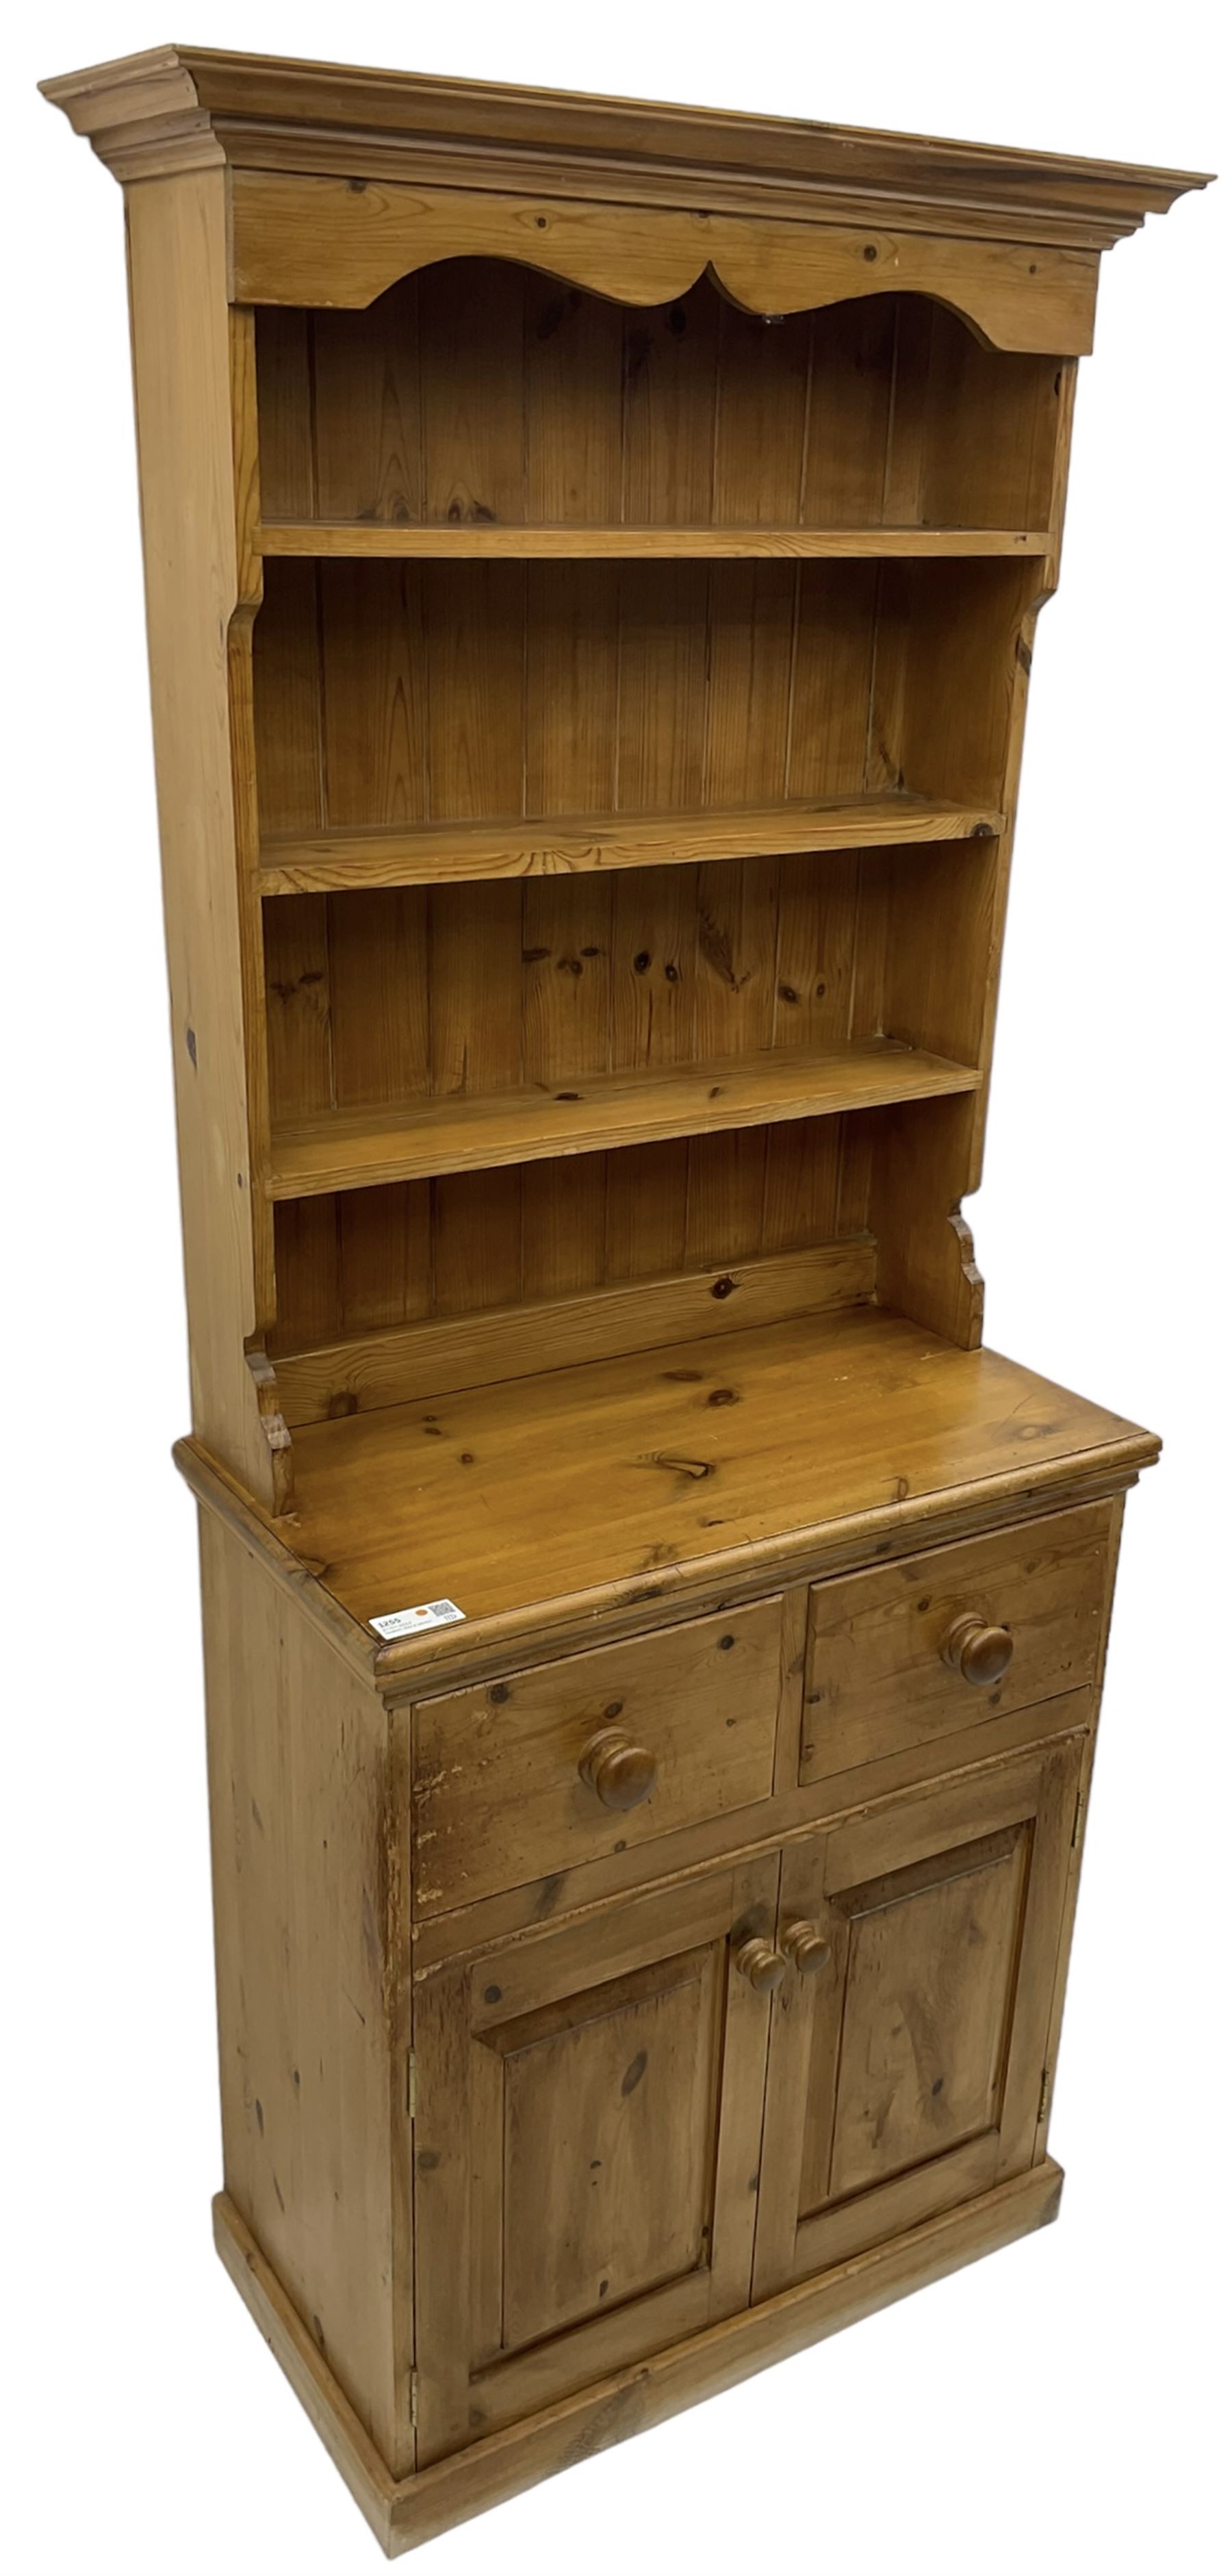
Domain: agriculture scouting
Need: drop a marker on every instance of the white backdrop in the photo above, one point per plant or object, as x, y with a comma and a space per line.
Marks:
1057, 2407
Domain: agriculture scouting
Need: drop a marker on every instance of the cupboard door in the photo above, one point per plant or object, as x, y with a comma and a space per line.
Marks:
588, 2120
909, 2040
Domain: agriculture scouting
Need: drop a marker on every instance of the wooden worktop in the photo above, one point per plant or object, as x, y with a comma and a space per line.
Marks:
550, 1504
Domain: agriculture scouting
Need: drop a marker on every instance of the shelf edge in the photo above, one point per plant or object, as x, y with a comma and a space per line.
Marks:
327, 539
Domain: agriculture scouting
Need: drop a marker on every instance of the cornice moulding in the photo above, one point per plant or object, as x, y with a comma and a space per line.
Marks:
180, 107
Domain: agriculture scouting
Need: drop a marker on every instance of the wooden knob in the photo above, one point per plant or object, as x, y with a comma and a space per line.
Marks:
763, 1965
807, 1947
979, 1653
620, 1772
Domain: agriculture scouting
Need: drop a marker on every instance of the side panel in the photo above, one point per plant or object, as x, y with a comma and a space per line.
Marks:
307, 1802
182, 387
955, 694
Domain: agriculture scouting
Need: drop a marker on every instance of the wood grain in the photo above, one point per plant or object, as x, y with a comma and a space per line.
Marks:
393, 1367
182, 360
363, 1263
303, 1798
688, 429
321, 241
618, 1472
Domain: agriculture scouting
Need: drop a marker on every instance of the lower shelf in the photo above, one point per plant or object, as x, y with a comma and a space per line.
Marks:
351, 1149
403, 2512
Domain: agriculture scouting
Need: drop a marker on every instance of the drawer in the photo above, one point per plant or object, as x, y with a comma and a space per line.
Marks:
918, 1650
519, 1779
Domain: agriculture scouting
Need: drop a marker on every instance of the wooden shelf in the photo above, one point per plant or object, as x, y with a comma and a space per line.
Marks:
463, 1132
324, 537
568, 844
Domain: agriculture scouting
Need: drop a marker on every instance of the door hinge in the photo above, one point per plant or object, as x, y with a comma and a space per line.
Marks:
414, 2401
1045, 2085
410, 2083
1079, 1804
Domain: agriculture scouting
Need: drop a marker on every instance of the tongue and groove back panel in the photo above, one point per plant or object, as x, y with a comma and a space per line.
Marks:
418, 992
478, 391
392, 695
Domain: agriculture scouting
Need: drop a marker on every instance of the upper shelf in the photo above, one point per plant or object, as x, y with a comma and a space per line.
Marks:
353, 537
479, 1131
568, 844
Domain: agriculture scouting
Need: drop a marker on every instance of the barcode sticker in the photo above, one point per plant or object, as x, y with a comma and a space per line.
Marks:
426, 1614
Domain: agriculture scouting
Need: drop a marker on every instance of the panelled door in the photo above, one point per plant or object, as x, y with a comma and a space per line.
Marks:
587, 2131
909, 2040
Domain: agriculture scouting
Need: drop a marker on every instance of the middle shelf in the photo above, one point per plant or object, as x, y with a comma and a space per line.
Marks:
577, 844
463, 1132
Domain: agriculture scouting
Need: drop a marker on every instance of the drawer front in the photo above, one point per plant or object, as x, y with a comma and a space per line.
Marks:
909, 1652
518, 1779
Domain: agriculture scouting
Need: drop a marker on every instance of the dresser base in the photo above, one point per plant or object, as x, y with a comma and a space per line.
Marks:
405, 2511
